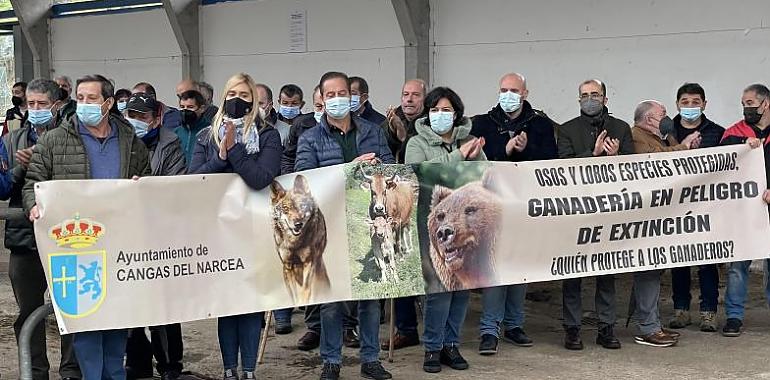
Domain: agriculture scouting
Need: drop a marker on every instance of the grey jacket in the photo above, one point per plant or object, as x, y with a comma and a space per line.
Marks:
428, 146
19, 234
166, 156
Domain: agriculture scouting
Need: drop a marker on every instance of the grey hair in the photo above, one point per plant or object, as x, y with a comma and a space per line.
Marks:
421, 82
45, 86
595, 81
206, 90
761, 90
64, 78
643, 108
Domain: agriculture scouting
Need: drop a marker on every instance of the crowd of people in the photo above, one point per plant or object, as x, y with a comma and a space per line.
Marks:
93, 131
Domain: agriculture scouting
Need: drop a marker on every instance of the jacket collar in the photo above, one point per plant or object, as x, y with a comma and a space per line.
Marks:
125, 130
503, 122
356, 122
460, 132
704, 122
598, 120
366, 109
670, 138
164, 138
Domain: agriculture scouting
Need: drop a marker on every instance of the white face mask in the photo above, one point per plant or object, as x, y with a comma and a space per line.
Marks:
355, 103
338, 107
318, 115
441, 122
690, 114
140, 127
509, 101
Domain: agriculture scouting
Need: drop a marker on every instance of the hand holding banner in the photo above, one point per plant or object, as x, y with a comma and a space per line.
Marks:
124, 253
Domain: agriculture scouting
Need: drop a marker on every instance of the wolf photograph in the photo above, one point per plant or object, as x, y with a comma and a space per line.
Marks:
299, 230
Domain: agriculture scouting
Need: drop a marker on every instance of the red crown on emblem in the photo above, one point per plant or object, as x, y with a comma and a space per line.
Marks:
77, 232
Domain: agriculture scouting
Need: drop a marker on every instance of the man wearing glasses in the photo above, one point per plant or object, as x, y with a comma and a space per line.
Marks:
592, 134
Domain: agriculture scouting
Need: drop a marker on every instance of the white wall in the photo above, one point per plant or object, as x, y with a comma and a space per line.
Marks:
128, 48
358, 37
641, 49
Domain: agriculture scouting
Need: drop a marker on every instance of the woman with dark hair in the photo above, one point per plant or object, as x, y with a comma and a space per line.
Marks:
444, 136
121, 100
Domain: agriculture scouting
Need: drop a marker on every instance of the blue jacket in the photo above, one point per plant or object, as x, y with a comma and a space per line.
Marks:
497, 128
318, 148
172, 118
370, 114
258, 170
5, 173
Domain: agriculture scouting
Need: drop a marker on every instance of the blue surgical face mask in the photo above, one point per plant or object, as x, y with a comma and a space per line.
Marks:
288, 112
355, 102
441, 122
509, 101
337, 108
690, 114
122, 106
40, 117
90, 114
140, 127
318, 115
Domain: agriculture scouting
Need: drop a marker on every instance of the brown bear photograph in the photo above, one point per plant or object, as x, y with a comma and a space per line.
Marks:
299, 230
463, 227
459, 217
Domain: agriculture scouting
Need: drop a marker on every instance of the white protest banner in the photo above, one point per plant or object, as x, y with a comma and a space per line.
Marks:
161, 250
599, 216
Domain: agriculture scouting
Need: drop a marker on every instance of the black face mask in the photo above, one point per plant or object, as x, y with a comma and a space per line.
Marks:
63, 94
189, 117
666, 126
591, 107
751, 115
237, 108
17, 101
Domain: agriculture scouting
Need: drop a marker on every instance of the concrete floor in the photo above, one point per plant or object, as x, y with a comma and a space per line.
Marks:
698, 355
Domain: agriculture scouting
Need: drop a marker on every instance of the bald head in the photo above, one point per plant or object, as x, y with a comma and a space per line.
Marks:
516, 83
184, 86
514, 77
648, 110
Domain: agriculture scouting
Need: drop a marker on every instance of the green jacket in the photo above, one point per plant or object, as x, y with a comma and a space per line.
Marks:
60, 154
19, 234
427, 146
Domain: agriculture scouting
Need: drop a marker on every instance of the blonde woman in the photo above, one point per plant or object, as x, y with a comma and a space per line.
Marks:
239, 141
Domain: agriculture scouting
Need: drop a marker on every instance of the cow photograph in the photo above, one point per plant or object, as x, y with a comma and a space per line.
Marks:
384, 254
